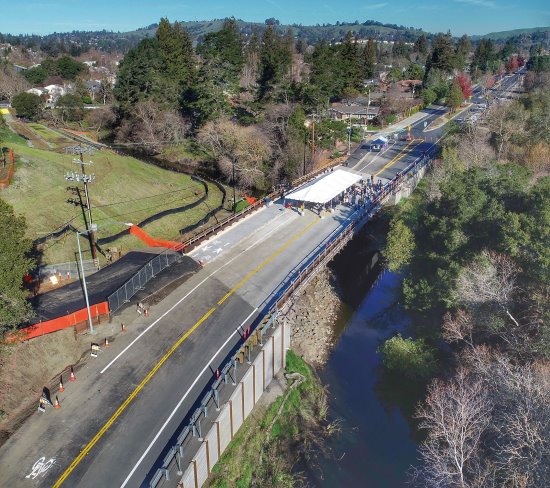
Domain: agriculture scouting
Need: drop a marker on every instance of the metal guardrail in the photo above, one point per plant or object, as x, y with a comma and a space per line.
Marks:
290, 286
153, 267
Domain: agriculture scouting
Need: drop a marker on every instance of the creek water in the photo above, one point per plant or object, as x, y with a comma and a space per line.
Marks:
379, 437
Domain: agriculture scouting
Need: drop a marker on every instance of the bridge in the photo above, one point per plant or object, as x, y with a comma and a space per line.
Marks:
125, 407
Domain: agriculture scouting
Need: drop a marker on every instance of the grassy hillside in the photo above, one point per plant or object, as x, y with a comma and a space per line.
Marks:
498, 36
125, 190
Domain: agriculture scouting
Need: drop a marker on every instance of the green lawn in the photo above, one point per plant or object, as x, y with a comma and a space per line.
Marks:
125, 190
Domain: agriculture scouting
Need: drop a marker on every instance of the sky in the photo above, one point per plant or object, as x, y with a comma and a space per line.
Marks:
460, 16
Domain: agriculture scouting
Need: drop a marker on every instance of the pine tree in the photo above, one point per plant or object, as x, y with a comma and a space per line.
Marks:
369, 59
421, 45
442, 53
176, 51
350, 63
455, 97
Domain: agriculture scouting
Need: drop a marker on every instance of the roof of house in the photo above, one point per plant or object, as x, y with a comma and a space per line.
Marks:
344, 108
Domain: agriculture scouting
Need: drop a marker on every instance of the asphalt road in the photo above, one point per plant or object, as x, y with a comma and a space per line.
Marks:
125, 405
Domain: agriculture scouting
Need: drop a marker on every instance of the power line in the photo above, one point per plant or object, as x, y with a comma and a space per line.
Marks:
144, 198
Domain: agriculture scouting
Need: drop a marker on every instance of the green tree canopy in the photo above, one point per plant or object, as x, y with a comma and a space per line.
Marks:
27, 105
14, 264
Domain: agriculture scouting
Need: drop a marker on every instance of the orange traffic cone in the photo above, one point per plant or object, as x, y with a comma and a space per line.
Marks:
72, 377
217, 373
146, 312
107, 342
56, 404
123, 328
61, 389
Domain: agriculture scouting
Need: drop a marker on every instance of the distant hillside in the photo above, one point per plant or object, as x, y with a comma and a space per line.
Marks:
77, 42
498, 36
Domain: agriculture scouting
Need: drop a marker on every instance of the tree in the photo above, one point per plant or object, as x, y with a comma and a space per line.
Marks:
27, 105
484, 56
369, 59
455, 415
415, 72
68, 68
465, 85
462, 51
442, 57
455, 97
15, 262
70, 107
399, 245
149, 127
243, 149
413, 358
421, 44
11, 83
222, 52
176, 52
275, 60
101, 118
429, 96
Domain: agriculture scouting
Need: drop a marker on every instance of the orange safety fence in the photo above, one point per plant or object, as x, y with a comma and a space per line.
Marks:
59, 323
153, 242
5, 181
250, 200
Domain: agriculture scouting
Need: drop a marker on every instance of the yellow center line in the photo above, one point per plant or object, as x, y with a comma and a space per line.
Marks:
157, 366
401, 155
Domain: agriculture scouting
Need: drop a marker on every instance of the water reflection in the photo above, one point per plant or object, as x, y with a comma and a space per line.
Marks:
379, 435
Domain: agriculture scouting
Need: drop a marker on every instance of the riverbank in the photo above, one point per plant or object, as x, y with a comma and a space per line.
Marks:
288, 426
312, 317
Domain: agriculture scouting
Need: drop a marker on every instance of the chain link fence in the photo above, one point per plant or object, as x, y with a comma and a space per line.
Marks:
137, 282
68, 271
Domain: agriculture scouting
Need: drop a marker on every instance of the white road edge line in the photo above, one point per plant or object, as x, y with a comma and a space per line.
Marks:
182, 400
116, 358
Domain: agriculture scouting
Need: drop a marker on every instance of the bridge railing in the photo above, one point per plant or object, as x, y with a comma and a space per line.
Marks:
281, 296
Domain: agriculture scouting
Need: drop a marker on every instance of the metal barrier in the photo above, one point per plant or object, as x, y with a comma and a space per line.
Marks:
123, 294
69, 270
292, 285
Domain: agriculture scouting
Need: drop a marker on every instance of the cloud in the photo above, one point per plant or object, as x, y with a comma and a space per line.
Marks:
375, 6
479, 3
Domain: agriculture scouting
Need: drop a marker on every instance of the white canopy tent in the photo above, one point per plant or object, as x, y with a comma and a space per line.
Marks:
324, 189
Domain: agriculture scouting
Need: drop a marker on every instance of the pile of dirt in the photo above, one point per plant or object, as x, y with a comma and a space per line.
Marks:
312, 316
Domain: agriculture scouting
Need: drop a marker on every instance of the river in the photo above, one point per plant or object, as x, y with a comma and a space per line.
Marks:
379, 436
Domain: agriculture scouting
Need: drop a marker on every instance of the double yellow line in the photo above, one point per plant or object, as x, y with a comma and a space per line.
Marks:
401, 155
171, 351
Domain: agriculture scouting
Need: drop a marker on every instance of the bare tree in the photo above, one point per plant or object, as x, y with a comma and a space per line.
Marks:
244, 150
505, 120
101, 118
11, 83
474, 147
489, 280
149, 128
455, 414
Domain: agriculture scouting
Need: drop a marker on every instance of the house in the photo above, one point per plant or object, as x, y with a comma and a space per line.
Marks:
36, 91
53, 92
360, 114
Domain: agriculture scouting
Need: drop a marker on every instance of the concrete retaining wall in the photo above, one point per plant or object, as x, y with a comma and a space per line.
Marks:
221, 430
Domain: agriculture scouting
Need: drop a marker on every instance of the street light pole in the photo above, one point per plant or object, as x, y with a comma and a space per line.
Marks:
305, 145
84, 283
234, 182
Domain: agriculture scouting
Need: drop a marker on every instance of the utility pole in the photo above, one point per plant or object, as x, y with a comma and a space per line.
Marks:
349, 133
85, 179
234, 183
313, 139
305, 145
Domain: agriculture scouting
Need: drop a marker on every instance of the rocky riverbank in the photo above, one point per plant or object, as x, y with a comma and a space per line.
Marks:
312, 317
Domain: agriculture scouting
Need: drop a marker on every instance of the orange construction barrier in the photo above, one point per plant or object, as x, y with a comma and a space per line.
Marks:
151, 241
60, 323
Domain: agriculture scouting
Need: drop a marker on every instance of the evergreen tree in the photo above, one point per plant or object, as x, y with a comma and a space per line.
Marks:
484, 55
176, 51
349, 61
421, 45
222, 52
369, 59
463, 48
442, 56
14, 264
275, 60
137, 75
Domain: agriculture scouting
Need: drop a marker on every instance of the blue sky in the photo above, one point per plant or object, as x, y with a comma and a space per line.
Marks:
460, 16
